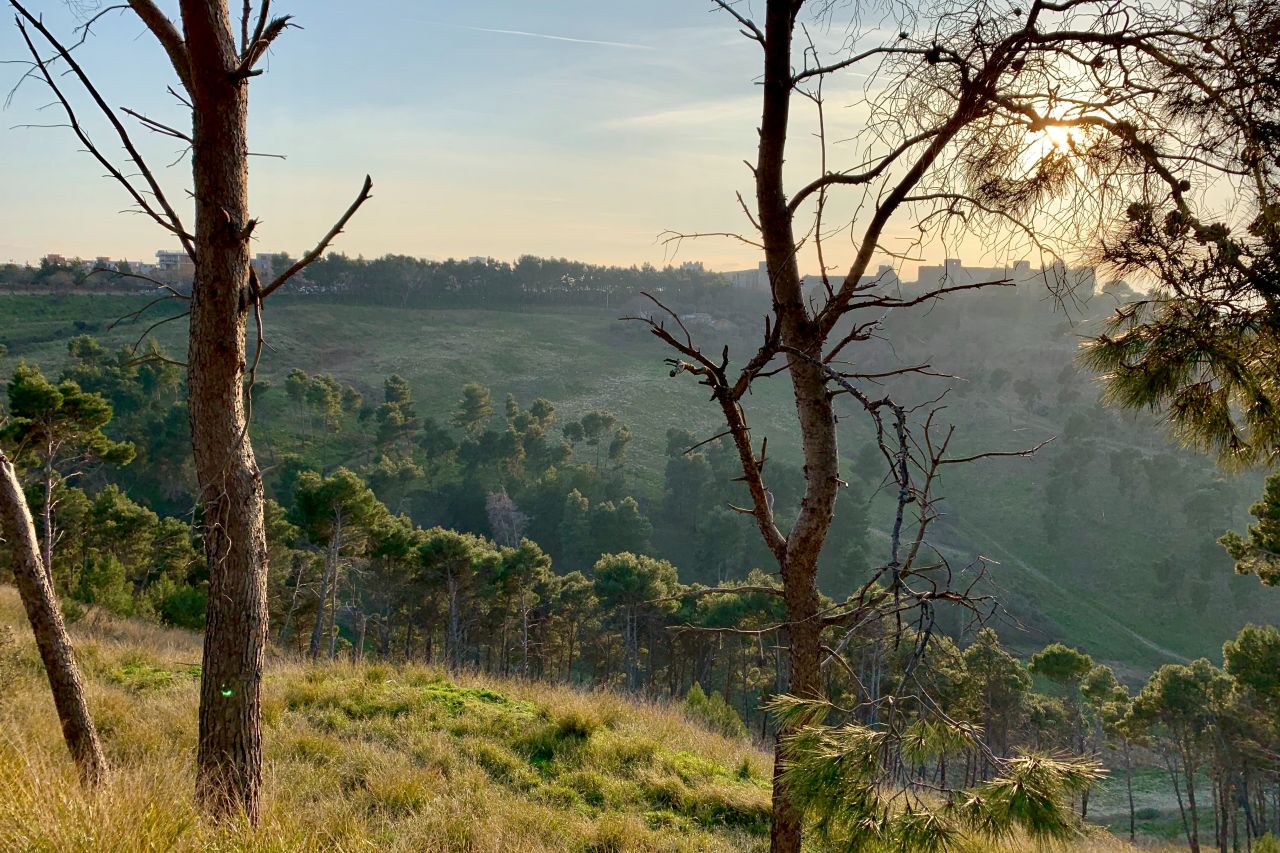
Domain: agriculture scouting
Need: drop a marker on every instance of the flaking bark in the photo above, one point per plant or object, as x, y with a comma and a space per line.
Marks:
52, 640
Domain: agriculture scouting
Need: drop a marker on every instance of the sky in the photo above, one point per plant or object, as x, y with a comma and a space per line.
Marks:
494, 127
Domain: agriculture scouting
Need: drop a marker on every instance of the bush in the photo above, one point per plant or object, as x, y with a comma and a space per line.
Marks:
72, 611
182, 606
104, 583
1267, 844
713, 712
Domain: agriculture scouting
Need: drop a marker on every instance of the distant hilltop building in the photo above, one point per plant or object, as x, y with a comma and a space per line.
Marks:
269, 264
953, 273
884, 276
174, 268
756, 279
177, 268
950, 273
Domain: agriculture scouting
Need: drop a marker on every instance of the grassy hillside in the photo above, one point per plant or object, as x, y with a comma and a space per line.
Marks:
363, 758
1098, 589
370, 758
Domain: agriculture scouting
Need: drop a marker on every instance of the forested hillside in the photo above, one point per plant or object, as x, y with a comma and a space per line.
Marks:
1105, 538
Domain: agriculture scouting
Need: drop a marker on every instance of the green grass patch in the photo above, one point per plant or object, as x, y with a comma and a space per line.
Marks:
137, 675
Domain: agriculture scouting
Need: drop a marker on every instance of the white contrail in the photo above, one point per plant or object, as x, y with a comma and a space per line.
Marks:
525, 33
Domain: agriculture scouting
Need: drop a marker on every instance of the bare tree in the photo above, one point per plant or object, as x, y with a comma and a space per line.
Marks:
35, 586
506, 521
1031, 127
214, 71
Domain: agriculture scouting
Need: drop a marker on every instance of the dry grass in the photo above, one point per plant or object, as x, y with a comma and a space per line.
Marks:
374, 758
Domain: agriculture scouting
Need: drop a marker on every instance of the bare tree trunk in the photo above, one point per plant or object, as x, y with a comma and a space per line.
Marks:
357, 651
568, 667
1128, 785
524, 628
632, 653
455, 629
322, 602
332, 629
229, 759
47, 520
1177, 791
799, 563
293, 602
51, 636
328, 580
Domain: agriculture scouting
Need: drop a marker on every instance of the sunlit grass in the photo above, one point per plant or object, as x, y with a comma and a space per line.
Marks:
370, 758
376, 757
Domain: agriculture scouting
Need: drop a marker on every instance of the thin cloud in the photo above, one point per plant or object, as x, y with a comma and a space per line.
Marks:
548, 36
738, 108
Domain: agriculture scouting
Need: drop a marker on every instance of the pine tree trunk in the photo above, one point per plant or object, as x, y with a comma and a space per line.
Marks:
229, 757
1177, 792
1190, 771
54, 644
357, 655
524, 638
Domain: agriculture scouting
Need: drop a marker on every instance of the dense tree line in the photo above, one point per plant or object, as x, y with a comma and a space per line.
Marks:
404, 281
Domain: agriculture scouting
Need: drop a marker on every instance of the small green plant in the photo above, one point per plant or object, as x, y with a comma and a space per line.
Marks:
713, 712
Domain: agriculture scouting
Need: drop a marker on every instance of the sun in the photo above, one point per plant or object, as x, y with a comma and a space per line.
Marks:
1051, 139
1059, 137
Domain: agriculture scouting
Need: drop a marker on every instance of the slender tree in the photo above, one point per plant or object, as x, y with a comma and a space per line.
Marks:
633, 588
38, 598
337, 512
1029, 126
214, 65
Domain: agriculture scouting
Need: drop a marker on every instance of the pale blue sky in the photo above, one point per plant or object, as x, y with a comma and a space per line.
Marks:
479, 142
495, 127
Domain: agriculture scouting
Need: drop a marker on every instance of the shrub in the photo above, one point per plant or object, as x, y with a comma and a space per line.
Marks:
713, 712
182, 606
72, 611
104, 583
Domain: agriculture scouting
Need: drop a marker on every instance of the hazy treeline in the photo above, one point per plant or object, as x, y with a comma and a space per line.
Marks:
403, 281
